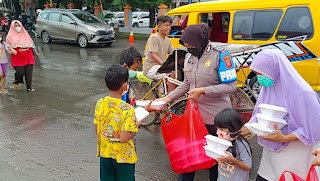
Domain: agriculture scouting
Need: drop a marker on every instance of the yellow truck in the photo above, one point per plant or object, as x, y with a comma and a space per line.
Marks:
287, 25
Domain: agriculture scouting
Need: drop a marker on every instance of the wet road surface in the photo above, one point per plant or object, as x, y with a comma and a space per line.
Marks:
49, 134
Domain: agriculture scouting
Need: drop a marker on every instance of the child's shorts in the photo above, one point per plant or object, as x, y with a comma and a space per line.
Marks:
110, 170
4, 68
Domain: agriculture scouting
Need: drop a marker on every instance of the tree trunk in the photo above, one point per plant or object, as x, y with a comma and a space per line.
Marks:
152, 18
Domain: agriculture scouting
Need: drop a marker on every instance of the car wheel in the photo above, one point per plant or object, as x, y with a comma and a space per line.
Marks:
135, 25
83, 41
255, 86
108, 44
45, 37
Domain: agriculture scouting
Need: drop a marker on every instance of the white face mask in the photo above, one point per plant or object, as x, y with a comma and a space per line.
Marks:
0, 39
18, 29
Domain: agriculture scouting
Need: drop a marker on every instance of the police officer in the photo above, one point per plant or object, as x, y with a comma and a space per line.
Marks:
209, 79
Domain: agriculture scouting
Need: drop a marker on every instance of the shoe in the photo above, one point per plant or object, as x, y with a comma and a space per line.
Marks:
31, 90
16, 86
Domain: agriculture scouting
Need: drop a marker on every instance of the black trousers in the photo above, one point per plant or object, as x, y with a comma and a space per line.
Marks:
25, 71
213, 171
259, 178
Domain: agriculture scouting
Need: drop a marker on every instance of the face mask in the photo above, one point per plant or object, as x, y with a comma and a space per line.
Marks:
126, 91
264, 81
132, 73
18, 29
0, 39
223, 135
194, 51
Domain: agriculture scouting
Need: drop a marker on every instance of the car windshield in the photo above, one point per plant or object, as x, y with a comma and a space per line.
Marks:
86, 17
110, 16
134, 15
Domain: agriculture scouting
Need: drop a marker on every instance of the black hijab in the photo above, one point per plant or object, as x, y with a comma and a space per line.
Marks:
197, 36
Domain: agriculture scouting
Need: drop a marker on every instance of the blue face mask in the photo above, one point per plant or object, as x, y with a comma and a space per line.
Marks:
264, 81
132, 73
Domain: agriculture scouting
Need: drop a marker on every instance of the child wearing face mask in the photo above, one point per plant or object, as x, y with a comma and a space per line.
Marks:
131, 59
237, 162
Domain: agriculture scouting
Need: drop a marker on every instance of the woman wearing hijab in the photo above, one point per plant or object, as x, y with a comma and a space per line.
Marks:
22, 58
288, 148
202, 81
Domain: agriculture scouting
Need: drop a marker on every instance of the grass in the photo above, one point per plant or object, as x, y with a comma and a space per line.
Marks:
126, 35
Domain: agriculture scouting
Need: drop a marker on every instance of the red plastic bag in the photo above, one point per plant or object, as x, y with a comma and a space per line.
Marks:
184, 139
312, 176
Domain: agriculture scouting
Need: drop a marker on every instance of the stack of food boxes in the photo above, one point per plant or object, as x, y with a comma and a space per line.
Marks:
270, 116
216, 146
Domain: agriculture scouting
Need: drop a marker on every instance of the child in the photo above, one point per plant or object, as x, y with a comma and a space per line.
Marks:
4, 63
131, 59
115, 125
158, 47
238, 162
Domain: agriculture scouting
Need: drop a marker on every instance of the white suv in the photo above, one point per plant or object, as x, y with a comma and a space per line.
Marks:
114, 18
140, 19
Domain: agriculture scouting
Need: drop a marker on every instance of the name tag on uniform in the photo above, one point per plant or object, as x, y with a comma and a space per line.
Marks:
227, 72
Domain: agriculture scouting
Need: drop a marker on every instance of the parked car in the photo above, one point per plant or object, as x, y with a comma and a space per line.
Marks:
140, 19
114, 18
73, 25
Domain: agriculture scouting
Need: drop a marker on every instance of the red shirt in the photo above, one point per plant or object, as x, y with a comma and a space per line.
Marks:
24, 57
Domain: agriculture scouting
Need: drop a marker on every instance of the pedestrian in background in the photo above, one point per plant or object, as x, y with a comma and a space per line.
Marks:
115, 125
22, 61
288, 148
4, 63
202, 66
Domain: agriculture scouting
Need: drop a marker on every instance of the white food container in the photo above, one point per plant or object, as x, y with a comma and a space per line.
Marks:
269, 121
218, 143
261, 130
140, 113
272, 110
156, 104
213, 153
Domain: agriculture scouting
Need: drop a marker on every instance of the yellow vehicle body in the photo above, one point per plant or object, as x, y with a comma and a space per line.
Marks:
244, 9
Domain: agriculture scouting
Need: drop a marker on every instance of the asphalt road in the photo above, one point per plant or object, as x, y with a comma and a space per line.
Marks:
49, 134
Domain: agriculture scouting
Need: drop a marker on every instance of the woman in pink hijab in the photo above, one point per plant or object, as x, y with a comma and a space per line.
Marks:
22, 58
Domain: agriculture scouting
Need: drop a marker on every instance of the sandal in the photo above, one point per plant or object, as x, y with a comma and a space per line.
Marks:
16, 86
31, 90
3, 91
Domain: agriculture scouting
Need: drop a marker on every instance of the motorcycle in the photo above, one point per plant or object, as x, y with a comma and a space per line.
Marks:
5, 26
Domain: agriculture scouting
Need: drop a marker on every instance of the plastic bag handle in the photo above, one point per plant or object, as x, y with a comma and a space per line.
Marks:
164, 122
297, 178
194, 104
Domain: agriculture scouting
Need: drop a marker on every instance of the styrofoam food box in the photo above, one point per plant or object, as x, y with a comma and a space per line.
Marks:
261, 130
140, 113
272, 110
269, 121
218, 143
156, 104
213, 153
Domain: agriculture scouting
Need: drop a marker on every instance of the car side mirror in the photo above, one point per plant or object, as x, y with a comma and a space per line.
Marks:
73, 23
